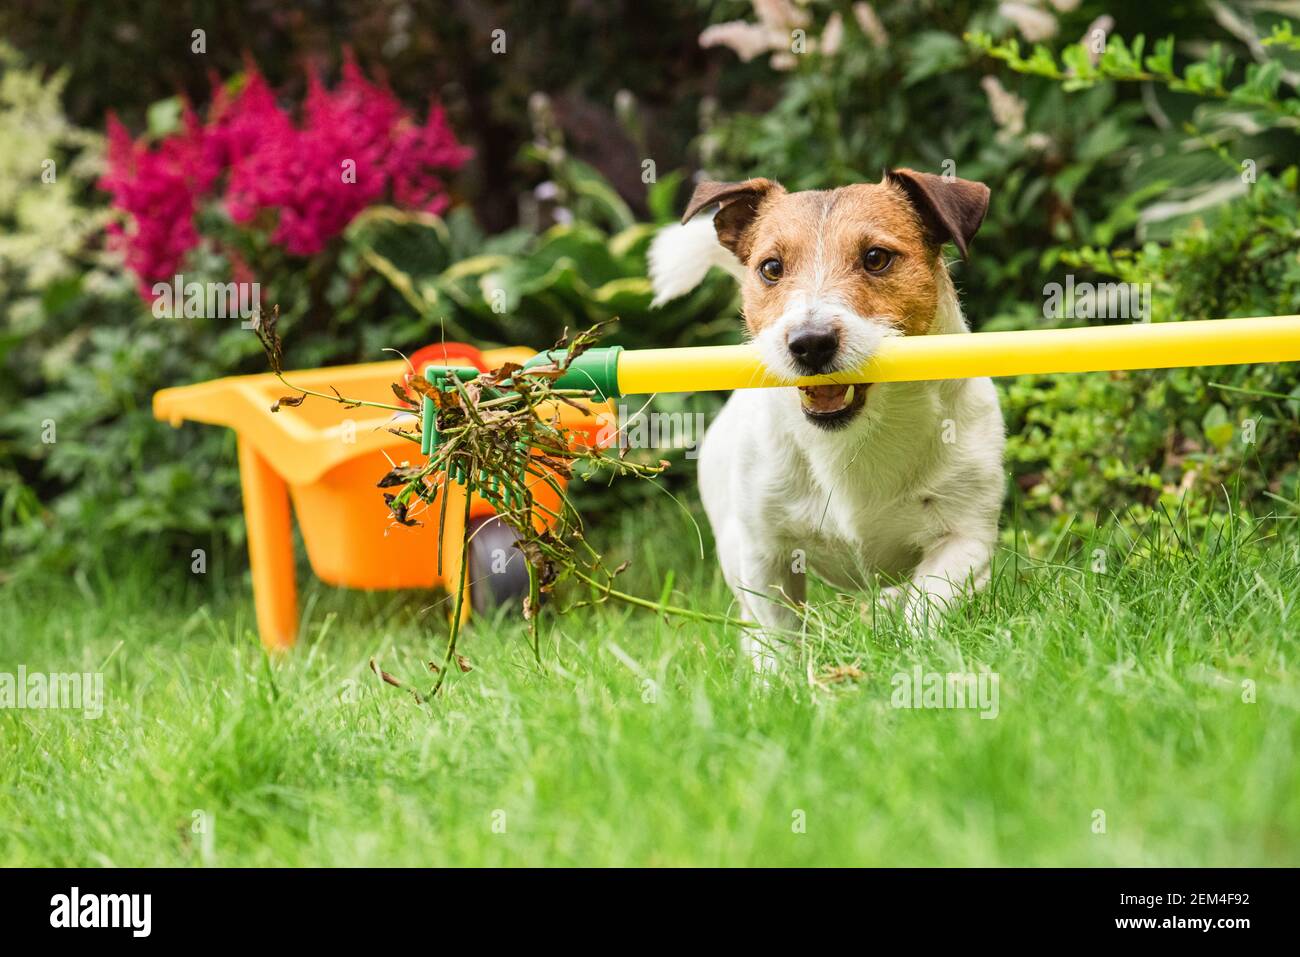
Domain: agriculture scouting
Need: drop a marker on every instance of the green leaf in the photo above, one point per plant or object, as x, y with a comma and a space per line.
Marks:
661, 197
1216, 426
1161, 61
163, 117
932, 52
589, 184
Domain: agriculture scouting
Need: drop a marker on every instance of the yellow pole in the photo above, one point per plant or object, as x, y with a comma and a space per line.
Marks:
1165, 345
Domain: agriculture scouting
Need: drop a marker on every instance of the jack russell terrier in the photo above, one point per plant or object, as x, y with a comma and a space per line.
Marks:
899, 479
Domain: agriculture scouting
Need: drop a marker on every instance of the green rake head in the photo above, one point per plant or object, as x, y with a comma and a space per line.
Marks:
595, 370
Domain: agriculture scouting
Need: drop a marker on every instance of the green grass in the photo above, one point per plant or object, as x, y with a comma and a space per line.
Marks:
644, 741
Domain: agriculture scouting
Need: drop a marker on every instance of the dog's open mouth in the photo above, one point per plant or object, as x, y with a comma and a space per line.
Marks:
832, 405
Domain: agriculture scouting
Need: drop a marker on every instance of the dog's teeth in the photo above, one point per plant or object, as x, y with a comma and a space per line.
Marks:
815, 400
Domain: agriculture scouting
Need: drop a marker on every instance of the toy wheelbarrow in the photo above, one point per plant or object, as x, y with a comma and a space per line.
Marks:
325, 459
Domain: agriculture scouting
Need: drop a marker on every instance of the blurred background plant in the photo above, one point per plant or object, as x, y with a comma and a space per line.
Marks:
1211, 223
1154, 161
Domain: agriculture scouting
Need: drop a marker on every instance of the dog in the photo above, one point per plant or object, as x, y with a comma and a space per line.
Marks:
902, 480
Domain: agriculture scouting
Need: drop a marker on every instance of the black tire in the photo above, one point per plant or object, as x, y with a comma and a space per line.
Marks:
498, 572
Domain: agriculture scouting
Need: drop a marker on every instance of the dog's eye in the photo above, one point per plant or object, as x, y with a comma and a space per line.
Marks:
877, 259
771, 270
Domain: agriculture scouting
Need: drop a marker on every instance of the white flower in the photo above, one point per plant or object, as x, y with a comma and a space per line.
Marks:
1094, 38
747, 40
1035, 25
1008, 109
778, 21
780, 15
832, 36
870, 23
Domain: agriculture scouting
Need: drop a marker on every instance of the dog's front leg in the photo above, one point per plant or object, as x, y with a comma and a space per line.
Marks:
952, 568
762, 576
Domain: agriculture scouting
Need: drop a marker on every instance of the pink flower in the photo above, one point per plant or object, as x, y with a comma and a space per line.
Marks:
355, 146
156, 189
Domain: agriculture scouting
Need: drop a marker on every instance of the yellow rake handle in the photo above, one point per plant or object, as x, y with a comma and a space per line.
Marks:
1166, 345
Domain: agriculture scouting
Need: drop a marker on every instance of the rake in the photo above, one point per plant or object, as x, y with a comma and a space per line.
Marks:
612, 371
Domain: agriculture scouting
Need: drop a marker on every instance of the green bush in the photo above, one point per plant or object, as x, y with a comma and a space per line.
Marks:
1191, 439
86, 469
1137, 441
1163, 164
1072, 160
1127, 160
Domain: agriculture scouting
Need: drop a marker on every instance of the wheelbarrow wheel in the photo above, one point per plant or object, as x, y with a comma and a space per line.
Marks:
498, 573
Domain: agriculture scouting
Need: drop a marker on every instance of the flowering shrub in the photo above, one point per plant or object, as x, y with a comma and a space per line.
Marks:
303, 181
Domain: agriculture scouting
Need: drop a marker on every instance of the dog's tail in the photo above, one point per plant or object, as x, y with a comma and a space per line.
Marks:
681, 256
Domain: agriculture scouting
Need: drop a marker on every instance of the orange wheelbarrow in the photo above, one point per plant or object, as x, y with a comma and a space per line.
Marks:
325, 459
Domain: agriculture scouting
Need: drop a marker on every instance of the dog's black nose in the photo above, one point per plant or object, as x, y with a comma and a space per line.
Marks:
813, 347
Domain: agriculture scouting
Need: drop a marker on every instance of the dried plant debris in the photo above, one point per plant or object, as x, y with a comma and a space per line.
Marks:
399, 475
500, 434
264, 326
388, 679
837, 674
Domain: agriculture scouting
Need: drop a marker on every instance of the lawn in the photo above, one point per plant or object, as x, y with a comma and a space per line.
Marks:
1148, 714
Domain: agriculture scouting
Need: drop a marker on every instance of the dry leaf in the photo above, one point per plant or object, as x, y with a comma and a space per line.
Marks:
399, 511
840, 673
346, 403
399, 476
288, 401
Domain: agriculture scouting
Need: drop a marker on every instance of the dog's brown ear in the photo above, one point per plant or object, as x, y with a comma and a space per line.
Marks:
739, 205
951, 209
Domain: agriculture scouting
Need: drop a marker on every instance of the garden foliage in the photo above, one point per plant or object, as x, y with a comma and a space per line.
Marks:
1113, 153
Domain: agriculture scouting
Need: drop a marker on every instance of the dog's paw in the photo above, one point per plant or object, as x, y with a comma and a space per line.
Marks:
923, 611
918, 610
891, 598
887, 602
762, 655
